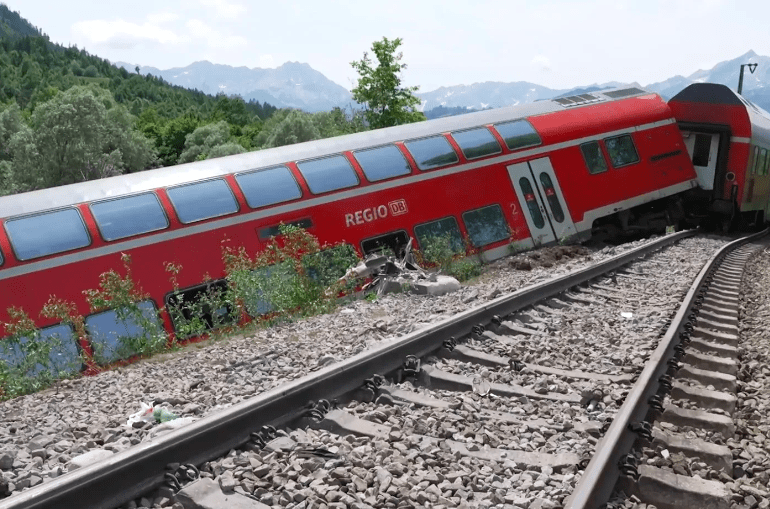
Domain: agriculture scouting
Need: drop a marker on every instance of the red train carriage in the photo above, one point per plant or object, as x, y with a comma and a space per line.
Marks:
524, 175
728, 139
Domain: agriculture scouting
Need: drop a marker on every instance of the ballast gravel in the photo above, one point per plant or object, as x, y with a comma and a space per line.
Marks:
40, 434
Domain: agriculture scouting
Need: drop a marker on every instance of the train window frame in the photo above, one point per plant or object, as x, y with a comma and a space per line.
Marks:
14, 248
371, 149
314, 181
261, 170
199, 182
440, 164
268, 232
633, 146
457, 242
2, 259
193, 291
396, 235
524, 136
479, 210
589, 167
118, 198
759, 167
753, 160
117, 349
465, 150
44, 335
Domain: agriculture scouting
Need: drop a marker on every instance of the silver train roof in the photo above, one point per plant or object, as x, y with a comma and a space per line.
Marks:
63, 196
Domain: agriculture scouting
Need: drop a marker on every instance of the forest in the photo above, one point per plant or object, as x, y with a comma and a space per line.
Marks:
67, 116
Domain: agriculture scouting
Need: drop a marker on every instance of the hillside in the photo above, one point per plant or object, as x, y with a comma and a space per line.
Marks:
13, 26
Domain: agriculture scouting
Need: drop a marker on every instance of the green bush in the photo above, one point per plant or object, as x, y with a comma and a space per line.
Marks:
440, 252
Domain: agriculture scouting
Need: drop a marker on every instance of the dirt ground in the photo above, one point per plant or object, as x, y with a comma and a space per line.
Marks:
547, 257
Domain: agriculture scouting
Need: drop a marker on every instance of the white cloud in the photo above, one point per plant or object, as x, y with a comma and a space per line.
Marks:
214, 38
123, 34
542, 62
156, 18
225, 9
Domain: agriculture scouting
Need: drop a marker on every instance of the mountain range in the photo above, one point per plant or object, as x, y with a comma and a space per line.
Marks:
297, 85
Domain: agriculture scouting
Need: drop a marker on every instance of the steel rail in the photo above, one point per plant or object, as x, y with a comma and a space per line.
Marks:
131, 473
600, 476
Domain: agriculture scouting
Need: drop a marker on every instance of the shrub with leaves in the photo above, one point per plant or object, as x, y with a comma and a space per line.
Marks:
441, 252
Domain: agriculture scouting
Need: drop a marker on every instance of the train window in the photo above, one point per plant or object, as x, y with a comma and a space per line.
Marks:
56, 342
272, 231
111, 331
701, 150
761, 162
753, 163
621, 150
1, 258
477, 143
518, 134
391, 244
552, 197
428, 233
532, 205
45, 234
266, 187
432, 152
202, 200
328, 174
486, 225
382, 162
129, 216
191, 309
767, 166
592, 153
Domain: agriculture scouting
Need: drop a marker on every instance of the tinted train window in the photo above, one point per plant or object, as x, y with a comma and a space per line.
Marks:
272, 231
767, 164
328, 174
59, 342
592, 153
382, 162
753, 163
486, 225
531, 201
621, 151
45, 234
762, 159
443, 228
552, 197
518, 134
108, 327
701, 149
432, 152
129, 216
203, 200
477, 143
266, 187
1, 258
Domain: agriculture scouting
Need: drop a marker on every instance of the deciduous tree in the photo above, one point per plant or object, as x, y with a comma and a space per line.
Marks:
379, 87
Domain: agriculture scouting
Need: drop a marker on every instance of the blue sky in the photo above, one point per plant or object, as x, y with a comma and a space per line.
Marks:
556, 43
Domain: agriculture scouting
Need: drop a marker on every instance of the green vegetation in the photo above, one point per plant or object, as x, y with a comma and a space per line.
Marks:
67, 116
442, 253
387, 102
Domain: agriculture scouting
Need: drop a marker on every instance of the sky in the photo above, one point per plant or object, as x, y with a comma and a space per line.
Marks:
560, 44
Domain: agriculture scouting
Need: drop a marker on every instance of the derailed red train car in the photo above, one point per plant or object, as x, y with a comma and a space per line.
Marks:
728, 139
522, 176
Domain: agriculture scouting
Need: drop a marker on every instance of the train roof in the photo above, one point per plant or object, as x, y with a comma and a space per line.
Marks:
715, 93
63, 196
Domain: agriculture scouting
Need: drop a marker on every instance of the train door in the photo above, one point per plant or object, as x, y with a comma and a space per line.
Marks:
703, 148
545, 210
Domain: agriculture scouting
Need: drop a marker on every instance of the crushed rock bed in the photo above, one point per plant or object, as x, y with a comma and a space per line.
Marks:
41, 433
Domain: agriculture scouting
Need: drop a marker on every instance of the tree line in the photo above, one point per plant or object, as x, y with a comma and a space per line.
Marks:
67, 116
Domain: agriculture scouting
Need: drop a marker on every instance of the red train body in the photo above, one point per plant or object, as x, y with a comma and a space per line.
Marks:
519, 176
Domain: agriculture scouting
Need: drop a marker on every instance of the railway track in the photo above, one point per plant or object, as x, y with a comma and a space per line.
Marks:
477, 387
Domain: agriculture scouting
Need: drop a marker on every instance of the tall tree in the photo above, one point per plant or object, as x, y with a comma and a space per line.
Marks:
379, 88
